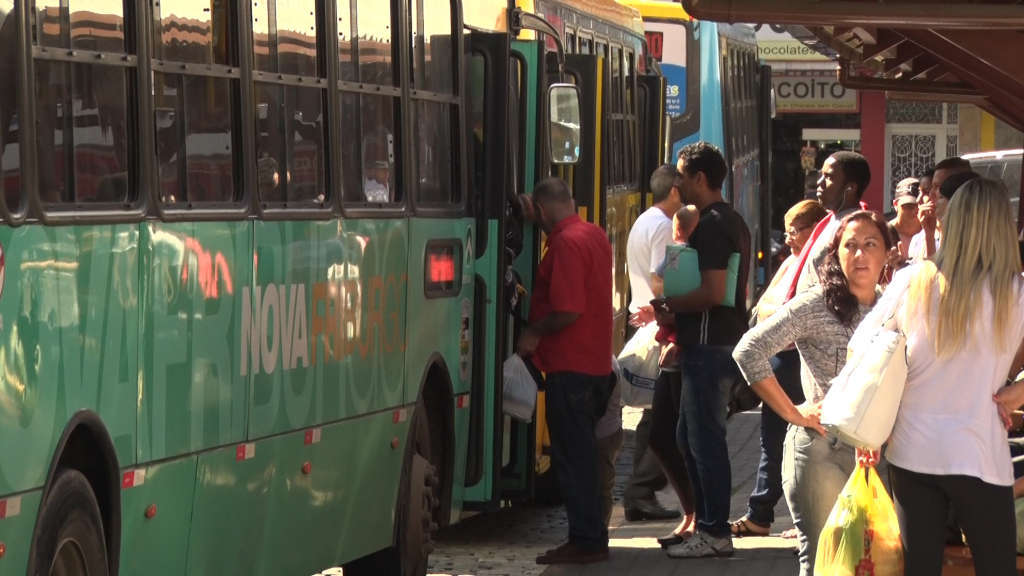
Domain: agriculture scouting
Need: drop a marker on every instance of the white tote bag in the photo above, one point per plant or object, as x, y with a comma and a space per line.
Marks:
861, 404
638, 362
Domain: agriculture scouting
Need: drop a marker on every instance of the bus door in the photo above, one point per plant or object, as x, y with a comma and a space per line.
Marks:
498, 242
652, 131
516, 457
587, 72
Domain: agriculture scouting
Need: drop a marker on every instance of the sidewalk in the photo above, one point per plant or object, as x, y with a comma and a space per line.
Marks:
505, 543
634, 549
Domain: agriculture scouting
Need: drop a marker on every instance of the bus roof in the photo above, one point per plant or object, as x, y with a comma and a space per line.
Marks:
658, 9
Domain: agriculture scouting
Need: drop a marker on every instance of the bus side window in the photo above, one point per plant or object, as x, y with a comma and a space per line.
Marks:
289, 118
617, 148
435, 104
197, 116
10, 155
82, 109
370, 103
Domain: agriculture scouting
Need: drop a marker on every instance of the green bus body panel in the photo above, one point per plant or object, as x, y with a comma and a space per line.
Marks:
68, 341
329, 302
192, 396
16, 534
434, 323
487, 267
158, 546
263, 515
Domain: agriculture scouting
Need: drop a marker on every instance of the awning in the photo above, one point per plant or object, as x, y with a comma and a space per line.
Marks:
954, 51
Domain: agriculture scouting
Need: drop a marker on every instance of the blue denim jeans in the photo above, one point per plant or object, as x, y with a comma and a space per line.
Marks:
571, 414
768, 485
707, 376
814, 470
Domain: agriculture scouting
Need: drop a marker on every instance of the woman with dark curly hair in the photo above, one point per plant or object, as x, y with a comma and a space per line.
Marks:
816, 465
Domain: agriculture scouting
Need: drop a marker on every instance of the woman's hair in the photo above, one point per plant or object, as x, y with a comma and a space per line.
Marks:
838, 298
805, 213
979, 252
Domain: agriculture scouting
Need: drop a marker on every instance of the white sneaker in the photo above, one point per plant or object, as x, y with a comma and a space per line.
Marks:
701, 545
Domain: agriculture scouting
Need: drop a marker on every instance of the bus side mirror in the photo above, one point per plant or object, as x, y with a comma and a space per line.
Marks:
564, 123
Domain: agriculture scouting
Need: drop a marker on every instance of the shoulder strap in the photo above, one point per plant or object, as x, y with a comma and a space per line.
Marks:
818, 229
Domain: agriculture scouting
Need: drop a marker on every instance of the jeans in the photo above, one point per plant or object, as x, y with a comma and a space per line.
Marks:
984, 511
814, 470
707, 376
768, 485
571, 413
664, 421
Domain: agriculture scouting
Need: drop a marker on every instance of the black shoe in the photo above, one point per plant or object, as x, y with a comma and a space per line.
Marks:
570, 553
638, 510
670, 539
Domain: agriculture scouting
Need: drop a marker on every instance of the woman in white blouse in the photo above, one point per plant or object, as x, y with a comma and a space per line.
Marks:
963, 315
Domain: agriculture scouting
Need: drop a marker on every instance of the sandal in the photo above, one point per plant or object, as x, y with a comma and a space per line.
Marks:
745, 527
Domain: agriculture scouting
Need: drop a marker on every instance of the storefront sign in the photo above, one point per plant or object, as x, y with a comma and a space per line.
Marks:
775, 44
812, 91
783, 50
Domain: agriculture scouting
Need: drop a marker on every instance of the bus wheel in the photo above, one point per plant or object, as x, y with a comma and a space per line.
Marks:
421, 500
70, 535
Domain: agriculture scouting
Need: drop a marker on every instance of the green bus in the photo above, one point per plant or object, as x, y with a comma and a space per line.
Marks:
258, 269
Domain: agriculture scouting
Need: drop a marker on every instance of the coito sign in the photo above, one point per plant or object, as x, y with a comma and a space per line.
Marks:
817, 92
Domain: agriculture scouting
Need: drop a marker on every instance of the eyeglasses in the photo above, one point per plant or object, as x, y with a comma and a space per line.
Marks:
793, 230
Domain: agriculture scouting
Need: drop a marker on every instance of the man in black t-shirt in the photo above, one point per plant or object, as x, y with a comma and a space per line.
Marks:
706, 332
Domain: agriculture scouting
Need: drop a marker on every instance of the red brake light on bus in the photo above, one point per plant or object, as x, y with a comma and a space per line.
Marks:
441, 267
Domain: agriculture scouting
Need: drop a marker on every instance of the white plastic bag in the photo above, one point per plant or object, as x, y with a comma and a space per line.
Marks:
519, 389
639, 367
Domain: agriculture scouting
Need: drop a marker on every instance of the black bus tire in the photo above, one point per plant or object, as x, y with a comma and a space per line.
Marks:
69, 539
421, 487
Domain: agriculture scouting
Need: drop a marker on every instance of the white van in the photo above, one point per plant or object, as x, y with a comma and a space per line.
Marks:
1002, 165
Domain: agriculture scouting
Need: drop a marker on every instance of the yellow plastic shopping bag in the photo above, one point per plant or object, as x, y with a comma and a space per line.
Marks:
862, 534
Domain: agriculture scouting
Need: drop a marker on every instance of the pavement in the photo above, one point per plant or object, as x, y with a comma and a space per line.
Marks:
506, 542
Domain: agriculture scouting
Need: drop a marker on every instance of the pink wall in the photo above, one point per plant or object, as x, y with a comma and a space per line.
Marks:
872, 145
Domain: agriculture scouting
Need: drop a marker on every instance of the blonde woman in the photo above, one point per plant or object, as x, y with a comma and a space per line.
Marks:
963, 316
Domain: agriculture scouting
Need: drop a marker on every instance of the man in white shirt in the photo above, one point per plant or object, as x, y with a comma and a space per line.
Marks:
844, 177
645, 249
932, 207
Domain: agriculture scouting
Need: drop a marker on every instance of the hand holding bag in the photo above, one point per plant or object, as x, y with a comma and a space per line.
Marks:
861, 404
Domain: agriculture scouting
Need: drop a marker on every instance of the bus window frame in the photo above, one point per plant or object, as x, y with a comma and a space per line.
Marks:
33, 207
243, 98
326, 42
585, 36
571, 39
456, 101
400, 61
22, 99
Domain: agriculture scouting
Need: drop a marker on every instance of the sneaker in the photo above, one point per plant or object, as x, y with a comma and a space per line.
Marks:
702, 545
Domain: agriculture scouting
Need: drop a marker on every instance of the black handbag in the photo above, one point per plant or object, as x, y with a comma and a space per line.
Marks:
741, 397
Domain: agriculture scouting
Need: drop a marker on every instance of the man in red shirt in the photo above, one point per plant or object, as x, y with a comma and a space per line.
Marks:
570, 339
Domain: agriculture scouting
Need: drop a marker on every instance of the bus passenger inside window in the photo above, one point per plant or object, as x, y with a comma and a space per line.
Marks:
376, 170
